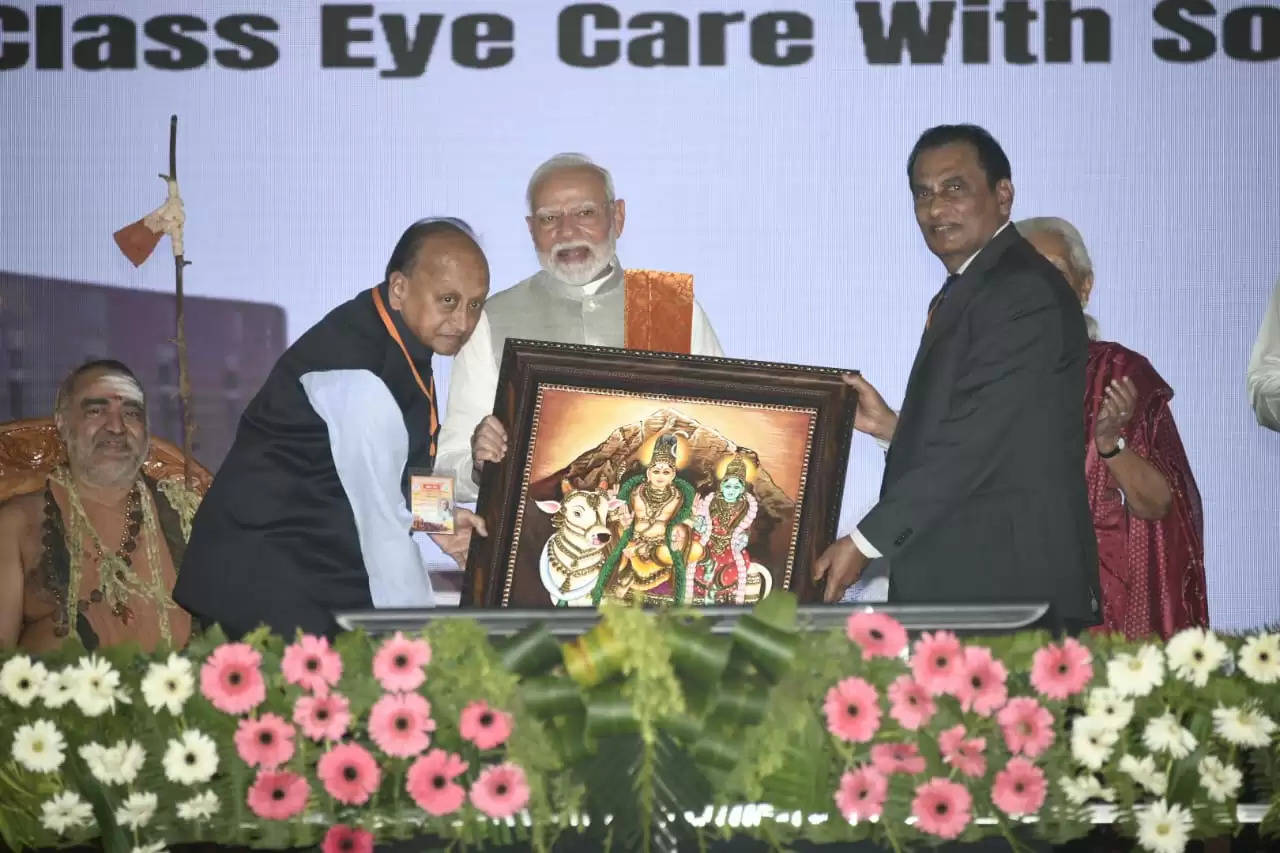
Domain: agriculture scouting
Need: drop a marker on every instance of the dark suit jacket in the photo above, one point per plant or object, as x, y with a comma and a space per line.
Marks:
983, 497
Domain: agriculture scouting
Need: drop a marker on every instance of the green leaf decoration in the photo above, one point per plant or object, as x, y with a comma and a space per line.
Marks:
649, 732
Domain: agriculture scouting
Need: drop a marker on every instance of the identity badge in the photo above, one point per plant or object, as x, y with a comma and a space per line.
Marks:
431, 502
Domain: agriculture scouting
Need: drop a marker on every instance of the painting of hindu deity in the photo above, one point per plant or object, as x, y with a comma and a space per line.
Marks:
678, 499
666, 508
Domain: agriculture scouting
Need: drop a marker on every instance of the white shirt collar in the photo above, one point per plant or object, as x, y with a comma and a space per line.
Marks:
596, 283
965, 265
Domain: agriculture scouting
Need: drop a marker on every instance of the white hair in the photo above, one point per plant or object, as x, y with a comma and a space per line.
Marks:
1091, 326
1077, 254
568, 160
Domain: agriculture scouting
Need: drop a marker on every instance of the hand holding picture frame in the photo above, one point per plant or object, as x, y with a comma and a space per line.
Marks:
666, 478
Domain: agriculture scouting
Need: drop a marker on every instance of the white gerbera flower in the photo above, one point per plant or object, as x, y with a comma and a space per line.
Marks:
192, 759
200, 807
1091, 741
1220, 781
116, 765
96, 686
1243, 726
157, 847
39, 746
21, 680
1194, 653
1109, 707
59, 688
1136, 674
1163, 828
168, 685
1144, 772
1085, 787
137, 810
1260, 658
65, 811
1165, 734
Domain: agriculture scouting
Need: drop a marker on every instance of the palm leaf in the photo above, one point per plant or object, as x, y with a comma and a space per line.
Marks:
647, 815
801, 784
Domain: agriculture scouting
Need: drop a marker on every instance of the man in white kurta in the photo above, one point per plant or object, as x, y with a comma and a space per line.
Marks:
1264, 367
577, 297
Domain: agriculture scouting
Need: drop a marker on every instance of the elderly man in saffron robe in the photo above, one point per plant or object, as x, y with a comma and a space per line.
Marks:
1143, 497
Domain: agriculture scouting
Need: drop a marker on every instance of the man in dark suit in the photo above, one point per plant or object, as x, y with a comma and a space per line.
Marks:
983, 497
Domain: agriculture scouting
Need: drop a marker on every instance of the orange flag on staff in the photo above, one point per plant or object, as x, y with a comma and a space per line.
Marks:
139, 240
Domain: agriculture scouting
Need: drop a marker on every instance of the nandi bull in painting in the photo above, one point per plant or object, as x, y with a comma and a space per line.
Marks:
572, 558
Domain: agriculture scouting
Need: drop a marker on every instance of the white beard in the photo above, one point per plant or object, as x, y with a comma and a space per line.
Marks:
585, 271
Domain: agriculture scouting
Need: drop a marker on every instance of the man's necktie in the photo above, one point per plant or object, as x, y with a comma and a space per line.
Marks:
938, 297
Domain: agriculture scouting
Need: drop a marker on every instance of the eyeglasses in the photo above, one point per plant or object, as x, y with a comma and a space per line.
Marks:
583, 215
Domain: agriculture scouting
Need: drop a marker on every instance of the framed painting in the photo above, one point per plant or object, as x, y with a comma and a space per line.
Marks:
670, 479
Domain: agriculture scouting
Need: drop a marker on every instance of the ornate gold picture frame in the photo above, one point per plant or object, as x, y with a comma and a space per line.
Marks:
672, 479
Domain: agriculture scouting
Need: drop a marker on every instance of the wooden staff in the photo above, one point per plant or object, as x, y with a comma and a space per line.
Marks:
137, 241
184, 379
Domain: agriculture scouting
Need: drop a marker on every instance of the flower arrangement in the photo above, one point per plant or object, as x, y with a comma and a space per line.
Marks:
1159, 734
640, 731
260, 741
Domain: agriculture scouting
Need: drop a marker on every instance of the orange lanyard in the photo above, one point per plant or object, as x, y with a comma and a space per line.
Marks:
429, 392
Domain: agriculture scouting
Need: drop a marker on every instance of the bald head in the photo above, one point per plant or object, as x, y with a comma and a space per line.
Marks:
438, 279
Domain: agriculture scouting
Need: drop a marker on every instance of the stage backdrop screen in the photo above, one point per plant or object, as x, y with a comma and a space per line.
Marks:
760, 146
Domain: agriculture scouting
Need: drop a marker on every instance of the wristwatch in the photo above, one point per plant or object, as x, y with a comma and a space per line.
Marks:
1118, 448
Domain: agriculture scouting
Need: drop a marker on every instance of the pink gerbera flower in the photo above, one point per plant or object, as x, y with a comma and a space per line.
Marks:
912, 706
861, 793
349, 774
982, 689
400, 724
1061, 671
949, 739
879, 634
1027, 726
938, 662
346, 839
266, 742
853, 710
430, 782
484, 726
1019, 788
322, 717
963, 754
278, 794
399, 663
941, 808
231, 680
311, 664
500, 791
890, 758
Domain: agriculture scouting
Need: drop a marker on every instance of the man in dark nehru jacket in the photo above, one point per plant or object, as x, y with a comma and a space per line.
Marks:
308, 512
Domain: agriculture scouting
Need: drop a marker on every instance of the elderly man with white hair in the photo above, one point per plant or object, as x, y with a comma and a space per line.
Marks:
1142, 495
581, 295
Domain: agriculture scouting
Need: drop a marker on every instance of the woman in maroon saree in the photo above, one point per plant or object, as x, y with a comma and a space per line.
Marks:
1145, 504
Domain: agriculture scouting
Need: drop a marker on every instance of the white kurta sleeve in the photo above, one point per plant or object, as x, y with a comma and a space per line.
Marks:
370, 448
702, 338
473, 381
1264, 367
